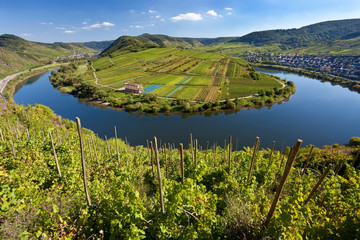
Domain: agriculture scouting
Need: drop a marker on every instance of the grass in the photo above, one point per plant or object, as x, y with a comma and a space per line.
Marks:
182, 73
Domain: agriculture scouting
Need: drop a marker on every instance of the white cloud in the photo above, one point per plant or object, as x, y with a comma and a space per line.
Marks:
138, 26
158, 16
229, 13
228, 9
187, 16
152, 11
212, 13
84, 23
98, 25
26, 34
108, 24
69, 31
46, 23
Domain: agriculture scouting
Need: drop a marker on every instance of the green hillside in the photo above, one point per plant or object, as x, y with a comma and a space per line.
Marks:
339, 37
17, 54
145, 41
319, 33
217, 193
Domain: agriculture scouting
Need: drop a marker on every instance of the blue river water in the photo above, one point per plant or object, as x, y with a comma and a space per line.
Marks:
318, 113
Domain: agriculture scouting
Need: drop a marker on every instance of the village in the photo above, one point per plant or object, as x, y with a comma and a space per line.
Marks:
343, 66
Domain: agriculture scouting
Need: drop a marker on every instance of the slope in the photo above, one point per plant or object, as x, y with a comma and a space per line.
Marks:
145, 41
17, 54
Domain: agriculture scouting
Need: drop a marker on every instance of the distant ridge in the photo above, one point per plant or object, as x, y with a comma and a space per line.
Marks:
98, 45
319, 33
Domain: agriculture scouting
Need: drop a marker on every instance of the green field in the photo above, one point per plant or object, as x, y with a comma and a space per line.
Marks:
183, 74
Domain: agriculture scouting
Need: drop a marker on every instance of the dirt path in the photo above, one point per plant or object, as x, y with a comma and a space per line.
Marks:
97, 79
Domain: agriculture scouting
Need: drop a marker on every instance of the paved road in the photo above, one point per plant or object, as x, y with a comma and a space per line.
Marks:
6, 80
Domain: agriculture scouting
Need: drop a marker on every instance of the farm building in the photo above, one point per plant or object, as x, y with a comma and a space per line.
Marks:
133, 88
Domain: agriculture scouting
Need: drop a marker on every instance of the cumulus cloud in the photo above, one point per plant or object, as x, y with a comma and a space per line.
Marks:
69, 31
152, 11
142, 26
212, 13
187, 16
228, 9
99, 25
46, 23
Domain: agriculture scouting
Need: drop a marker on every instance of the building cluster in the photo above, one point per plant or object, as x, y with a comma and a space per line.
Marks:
73, 56
343, 66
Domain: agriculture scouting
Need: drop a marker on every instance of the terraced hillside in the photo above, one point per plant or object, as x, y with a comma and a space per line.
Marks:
180, 73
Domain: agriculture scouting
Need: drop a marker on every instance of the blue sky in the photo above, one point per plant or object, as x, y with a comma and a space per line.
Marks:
78, 21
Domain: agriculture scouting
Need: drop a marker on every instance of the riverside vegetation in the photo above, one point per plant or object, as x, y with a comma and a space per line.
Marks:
175, 80
162, 191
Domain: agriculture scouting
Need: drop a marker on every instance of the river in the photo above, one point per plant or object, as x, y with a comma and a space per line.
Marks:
318, 113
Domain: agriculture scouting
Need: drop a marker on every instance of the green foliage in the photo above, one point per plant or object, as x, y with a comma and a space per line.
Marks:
354, 141
213, 203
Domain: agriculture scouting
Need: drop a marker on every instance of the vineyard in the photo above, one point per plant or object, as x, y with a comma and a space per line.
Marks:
203, 76
60, 181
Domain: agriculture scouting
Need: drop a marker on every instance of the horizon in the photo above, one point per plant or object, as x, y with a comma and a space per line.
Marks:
73, 22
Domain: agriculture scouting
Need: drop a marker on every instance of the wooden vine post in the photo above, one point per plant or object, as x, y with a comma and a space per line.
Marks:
192, 150
83, 162
152, 158
253, 157
321, 179
307, 160
182, 163
159, 176
224, 151
107, 145
1, 135
56, 159
95, 152
91, 157
207, 148
271, 153
195, 153
13, 148
288, 167
230, 149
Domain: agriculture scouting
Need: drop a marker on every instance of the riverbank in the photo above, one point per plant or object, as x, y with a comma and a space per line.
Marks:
8, 84
352, 85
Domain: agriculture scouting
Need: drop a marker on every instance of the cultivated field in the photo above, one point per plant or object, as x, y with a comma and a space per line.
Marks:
180, 73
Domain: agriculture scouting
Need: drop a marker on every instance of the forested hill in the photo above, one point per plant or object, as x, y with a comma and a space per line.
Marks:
319, 33
145, 41
17, 54
98, 45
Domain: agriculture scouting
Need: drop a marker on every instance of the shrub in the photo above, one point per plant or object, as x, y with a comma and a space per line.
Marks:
354, 141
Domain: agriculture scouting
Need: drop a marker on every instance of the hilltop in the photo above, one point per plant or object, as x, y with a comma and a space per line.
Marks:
18, 54
145, 41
